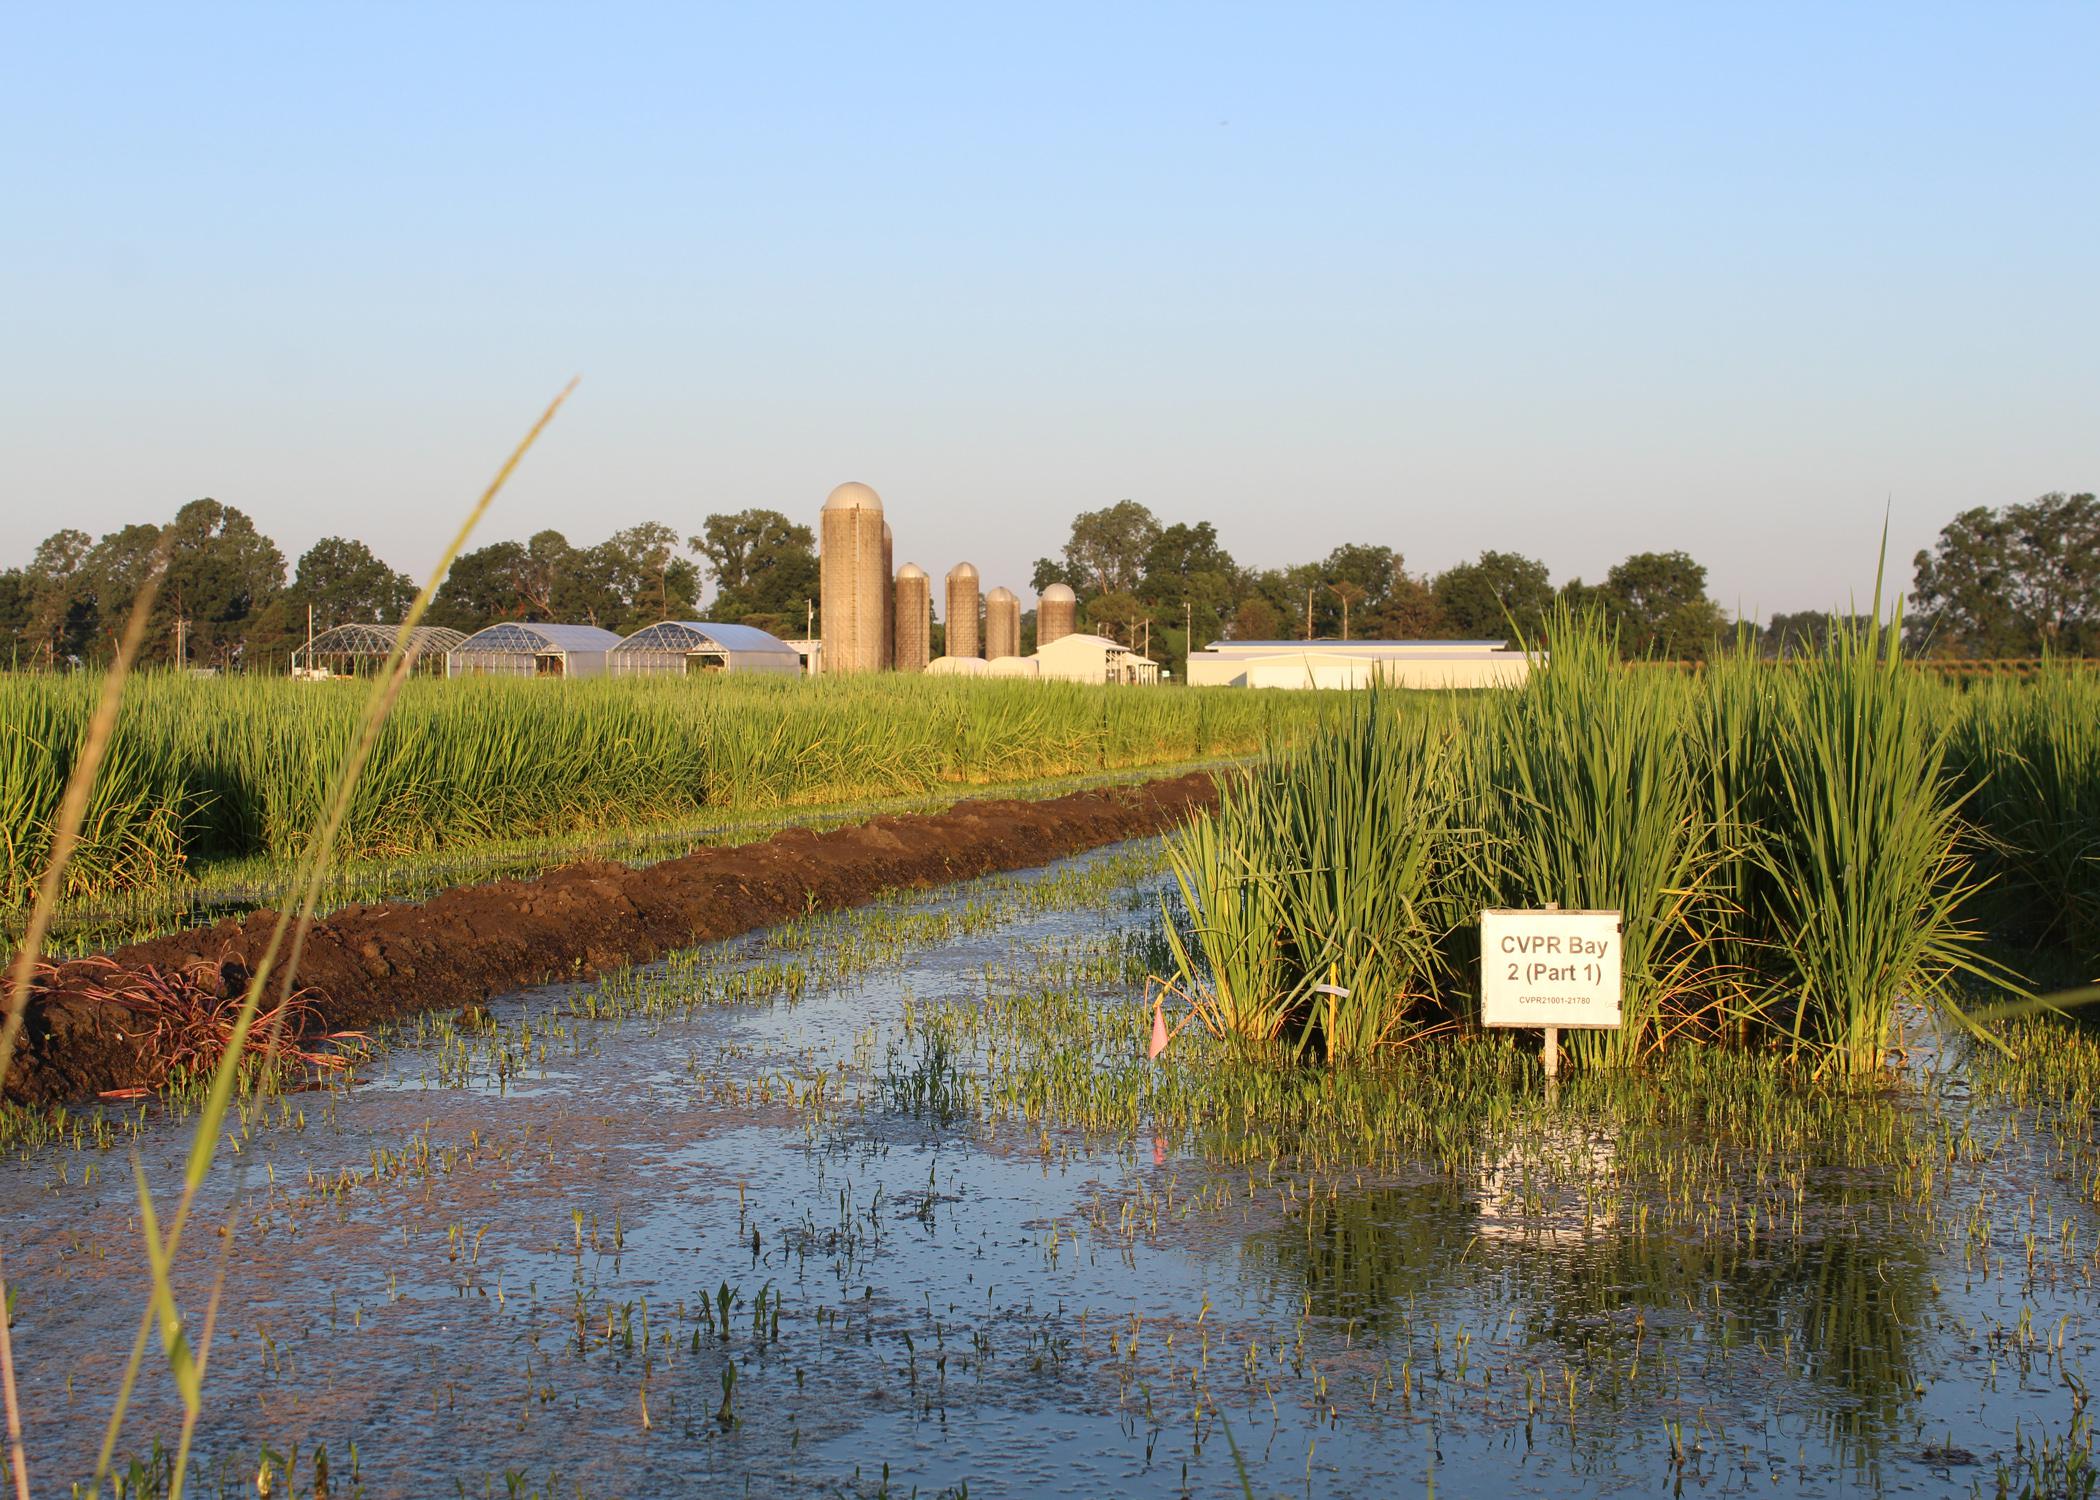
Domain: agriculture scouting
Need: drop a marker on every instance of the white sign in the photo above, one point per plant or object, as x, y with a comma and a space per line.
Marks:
1549, 968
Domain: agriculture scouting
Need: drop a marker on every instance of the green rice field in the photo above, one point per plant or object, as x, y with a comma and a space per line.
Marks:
205, 771
899, 1200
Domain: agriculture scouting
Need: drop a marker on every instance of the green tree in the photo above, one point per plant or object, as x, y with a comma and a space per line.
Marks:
1409, 611
1293, 594
17, 600
1049, 570
110, 577
344, 583
1500, 593
1255, 619
2016, 581
1658, 602
632, 578
221, 573
1191, 584
650, 576
484, 586
1361, 588
1107, 550
1800, 632
761, 563
551, 581
1119, 616
61, 613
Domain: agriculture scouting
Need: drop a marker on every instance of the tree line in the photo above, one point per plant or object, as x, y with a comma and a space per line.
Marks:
226, 601
2017, 580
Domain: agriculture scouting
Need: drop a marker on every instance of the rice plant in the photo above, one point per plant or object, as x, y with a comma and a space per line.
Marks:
1318, 895
1868, 886
1591, 801
1784, 842
2030, 755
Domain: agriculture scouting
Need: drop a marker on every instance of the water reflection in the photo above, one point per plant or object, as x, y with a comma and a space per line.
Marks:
1823, 1319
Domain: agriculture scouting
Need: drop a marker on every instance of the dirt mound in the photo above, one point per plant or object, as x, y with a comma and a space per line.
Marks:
368, 963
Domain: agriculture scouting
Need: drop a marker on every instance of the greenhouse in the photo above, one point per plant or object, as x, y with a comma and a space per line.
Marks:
679, 646
518, 649
349, 650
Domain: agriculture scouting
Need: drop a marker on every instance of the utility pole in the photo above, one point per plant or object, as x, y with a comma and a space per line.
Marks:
1347, 592
1308, 614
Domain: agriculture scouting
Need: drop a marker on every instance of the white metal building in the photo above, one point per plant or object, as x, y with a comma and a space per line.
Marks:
1358, 664
672, 647
1093, 658
517, 649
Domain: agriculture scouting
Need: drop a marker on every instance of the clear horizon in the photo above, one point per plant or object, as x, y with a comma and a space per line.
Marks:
1573, 285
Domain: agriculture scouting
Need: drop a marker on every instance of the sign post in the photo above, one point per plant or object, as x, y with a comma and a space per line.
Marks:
1550, 968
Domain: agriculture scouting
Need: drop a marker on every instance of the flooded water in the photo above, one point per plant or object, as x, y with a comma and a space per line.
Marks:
892, 1203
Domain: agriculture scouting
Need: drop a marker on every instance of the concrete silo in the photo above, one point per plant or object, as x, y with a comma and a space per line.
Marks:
856, 588
1056, 615
889, 600
1002, 624
962, 611
913, 622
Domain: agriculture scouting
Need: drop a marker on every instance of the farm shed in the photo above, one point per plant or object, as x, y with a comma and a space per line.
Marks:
1093, 658
677, 646
516, 649
1357, 664
347, 650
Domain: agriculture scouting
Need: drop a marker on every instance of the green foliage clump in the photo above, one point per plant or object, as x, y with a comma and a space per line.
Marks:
1797, 849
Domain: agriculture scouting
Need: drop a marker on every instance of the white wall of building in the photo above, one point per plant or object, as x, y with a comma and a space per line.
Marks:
1346, 664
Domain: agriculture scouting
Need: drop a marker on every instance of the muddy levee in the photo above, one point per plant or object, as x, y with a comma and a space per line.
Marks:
365, 964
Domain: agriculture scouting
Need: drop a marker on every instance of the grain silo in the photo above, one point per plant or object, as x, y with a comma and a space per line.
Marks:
1002, 624
889, 599
1056, 614
856, 588
913, 622
962, 611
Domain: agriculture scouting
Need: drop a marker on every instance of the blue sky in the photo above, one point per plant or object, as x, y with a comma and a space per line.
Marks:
1577, 281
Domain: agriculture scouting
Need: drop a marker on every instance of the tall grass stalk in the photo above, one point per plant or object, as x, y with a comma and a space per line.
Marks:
290, 932
65, 839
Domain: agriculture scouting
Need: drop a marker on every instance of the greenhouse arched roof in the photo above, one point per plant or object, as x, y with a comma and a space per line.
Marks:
706, 635
519, 635
378, 640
